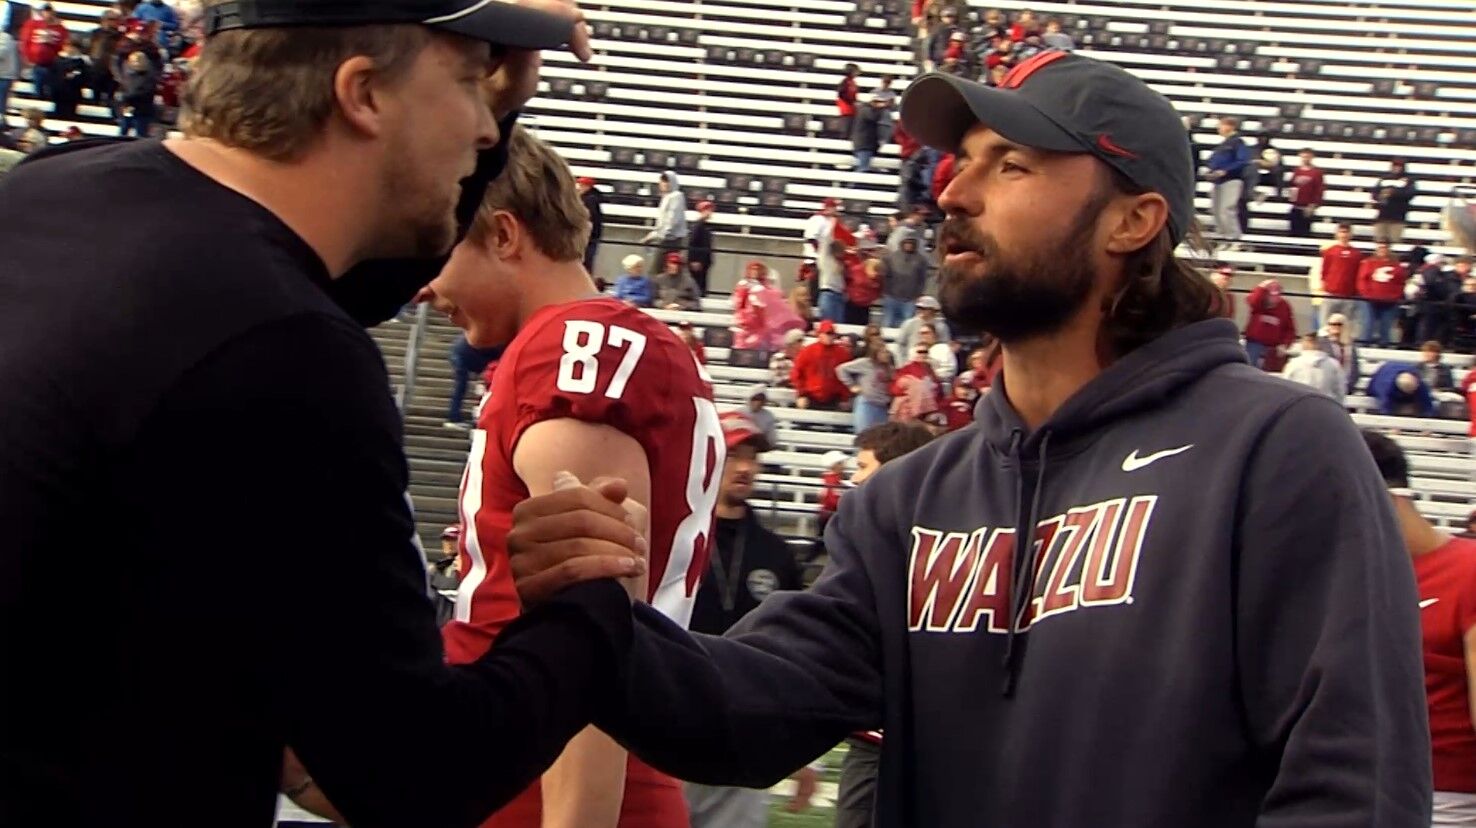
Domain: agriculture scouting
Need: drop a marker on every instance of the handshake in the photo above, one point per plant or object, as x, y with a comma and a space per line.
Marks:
578, 533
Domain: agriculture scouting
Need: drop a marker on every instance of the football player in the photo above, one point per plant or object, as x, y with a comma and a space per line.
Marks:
590, 386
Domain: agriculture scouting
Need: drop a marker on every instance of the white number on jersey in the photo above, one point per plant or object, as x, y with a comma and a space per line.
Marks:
580, 365
671, 597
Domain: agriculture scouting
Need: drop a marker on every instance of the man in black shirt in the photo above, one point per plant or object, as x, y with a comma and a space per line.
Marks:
594, 202
214, 427
748, 564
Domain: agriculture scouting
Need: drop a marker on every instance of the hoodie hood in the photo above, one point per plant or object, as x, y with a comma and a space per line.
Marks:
672, 180
1142, 379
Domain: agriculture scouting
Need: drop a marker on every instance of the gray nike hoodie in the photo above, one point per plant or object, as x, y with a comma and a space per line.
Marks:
1219, 628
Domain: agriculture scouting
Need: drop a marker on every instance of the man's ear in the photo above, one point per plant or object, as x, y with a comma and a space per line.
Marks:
1138, 220
507, 236
359, 96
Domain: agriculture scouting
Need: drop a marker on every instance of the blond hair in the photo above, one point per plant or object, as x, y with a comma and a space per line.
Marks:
537, 188
270, 91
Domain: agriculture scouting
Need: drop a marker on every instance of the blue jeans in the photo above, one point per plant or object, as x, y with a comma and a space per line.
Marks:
41, 77
863, 160
866, 414
138, 123
5, 85
896, 311
832, 306
465, 362
1255, 351
1378, 321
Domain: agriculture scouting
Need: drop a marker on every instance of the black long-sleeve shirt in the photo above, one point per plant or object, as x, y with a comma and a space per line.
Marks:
203, 442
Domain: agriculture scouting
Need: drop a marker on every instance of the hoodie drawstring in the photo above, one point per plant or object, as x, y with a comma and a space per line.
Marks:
1022, 571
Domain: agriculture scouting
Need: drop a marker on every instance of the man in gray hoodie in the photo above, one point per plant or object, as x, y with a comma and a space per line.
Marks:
904, 273
1211, 620
670, 233
10, 66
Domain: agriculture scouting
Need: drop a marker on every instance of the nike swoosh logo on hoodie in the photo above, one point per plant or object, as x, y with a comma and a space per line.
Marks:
1133, 462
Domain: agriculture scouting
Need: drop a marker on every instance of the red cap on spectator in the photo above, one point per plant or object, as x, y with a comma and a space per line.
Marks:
451, 533
830, 202
705, 205
673, 257
739, 428
585, 181
825, 326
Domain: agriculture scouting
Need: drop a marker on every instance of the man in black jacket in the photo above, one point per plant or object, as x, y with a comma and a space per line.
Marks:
244, 571
1391, 199
700, 244
594, 202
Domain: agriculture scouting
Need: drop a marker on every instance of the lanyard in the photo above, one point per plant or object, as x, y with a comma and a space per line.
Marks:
727, 582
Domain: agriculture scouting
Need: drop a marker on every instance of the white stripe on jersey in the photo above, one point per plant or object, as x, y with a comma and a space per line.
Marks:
471, 503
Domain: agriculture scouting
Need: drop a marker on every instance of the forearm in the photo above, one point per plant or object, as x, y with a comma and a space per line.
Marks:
586, 786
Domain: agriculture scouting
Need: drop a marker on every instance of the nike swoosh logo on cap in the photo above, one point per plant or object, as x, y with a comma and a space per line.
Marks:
1427, 602
1133, 462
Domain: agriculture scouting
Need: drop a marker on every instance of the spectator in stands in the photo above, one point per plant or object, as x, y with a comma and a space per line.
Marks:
70, 74
758, 411
941, 354
670, 233
845, 98
633, 287
1313, 368
833, 486
1336, 340
466, 362
911, 225
1270, 327
1381, 280
1445, 572
863, 288
870, 381
916, 392
904, 274
992, 27
957, 55
760, 310
983, 367
1025, 26
781, 364
1436, 374
10, 70
1056, 39
1003, 55
700, 245
1227, 166
958, 410
866, 133
1399, 390
136, 90
1390, 200
813, 376
799, 304
886, 97
34, 136
1433, 287
942, 35
594, 204
675, 288
163, 17
819, 241
1307, 189
1340, 263
927, 314
41, 38
688, 335
102, 49
136, 39
1465, 312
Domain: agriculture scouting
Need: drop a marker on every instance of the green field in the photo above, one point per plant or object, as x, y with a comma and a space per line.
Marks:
822, 810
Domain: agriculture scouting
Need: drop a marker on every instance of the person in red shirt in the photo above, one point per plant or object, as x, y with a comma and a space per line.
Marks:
845, 98
813, 377
1381, 279
915, 389
959, 410
1025, 25
688, 334
1340, 261
589, 386
1306, 194
1222, 278
1270, 328
1445, 572
41, 40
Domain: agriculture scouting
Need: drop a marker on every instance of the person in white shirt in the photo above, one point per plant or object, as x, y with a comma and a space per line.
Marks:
1316, 369
945, 362
830, 276
927, 313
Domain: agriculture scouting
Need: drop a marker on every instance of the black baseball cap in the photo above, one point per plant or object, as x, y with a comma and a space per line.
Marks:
492, 21
1066, 103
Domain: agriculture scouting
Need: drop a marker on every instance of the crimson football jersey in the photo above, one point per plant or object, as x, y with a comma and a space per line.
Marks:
1447, 582
599, 361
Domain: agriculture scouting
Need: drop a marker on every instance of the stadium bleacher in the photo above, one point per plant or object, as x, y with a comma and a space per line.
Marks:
737, 96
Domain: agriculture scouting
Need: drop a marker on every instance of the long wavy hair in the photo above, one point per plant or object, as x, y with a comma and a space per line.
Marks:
1161, 291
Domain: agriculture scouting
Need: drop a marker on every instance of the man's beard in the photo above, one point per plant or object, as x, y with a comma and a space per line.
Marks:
1017, 297
426, 225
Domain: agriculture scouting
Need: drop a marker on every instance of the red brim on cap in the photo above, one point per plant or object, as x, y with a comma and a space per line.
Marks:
939, 109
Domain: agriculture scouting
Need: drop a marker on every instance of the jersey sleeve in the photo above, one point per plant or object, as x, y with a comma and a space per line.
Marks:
587, 365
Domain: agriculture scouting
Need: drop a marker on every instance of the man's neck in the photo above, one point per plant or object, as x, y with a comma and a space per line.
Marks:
1041, 374
546, 283
731, 511
319, 200
1420, 536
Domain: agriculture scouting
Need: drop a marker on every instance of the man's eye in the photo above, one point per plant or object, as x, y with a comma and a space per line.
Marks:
1011, 166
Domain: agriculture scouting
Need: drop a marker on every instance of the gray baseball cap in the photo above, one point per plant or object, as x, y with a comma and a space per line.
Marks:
491, 21
1066, 103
